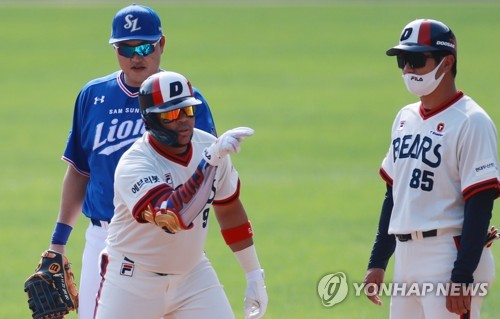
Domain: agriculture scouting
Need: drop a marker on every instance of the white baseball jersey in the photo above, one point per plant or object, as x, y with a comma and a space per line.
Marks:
437, 159
146, 173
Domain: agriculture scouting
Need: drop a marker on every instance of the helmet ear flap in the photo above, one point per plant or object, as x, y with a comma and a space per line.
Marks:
158, 131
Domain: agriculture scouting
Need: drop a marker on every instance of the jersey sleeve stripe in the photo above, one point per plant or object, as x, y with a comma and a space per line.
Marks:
153, 197
74, 165
230, 199
385, 177
479, 187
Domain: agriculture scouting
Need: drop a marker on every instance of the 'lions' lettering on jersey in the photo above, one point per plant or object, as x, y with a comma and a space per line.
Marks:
117, 135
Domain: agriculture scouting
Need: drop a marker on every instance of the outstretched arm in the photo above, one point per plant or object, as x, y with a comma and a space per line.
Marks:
174, 210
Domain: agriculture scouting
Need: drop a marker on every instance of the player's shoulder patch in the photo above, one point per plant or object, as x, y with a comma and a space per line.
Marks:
485, 167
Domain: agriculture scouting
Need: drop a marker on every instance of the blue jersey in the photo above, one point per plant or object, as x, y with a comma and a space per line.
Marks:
106, 122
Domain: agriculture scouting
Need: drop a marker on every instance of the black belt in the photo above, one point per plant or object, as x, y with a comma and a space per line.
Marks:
97, 222
406, 237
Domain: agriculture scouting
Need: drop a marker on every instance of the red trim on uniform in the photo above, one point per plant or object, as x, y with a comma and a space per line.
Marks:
230, 199
153, 197
385, 177
456, 239
424, 33
425, 114
156, 92
183, 159
104, 267
481, 186
238, 233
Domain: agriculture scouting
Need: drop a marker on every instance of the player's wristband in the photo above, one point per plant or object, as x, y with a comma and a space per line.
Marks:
61, 234
238, 233
248, 261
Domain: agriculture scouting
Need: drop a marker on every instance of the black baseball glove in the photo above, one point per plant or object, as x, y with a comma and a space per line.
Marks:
51, 289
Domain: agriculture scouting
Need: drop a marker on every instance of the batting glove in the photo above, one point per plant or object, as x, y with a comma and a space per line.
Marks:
255, 295
227, 143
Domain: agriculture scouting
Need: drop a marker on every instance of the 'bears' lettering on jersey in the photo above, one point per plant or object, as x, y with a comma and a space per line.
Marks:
413, 146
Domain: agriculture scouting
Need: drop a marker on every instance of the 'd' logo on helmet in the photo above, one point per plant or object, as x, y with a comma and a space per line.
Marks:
406, 34
175, 88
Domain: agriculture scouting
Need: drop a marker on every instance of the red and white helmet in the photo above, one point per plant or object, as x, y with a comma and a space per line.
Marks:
425, 35
162, 92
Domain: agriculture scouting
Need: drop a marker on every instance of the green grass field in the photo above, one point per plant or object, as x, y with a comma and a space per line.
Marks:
311, 79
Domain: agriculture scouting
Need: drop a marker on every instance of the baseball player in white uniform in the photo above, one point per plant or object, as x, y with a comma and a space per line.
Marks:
106, 122
441, 172
154, 265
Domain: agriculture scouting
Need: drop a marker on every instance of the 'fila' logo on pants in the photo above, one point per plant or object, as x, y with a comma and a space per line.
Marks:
127, 269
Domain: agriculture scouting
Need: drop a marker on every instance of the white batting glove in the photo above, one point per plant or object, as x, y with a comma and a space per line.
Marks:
227, 143
255, 295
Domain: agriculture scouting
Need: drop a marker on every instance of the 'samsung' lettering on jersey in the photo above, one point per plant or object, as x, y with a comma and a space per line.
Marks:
416, 147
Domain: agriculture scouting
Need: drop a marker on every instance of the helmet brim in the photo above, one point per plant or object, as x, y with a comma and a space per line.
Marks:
153, 38
409, 47
174, 105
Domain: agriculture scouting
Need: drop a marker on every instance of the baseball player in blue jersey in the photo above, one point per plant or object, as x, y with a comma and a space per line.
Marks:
106, 122
442, 178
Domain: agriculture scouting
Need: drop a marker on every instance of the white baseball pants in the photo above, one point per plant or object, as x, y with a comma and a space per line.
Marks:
136, 293
430, 260
90, 278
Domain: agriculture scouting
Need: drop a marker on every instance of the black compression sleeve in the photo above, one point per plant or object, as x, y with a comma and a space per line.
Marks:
477, 215
384, 245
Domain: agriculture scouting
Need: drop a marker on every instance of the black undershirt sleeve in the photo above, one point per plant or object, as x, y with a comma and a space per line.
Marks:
477, 215
384, 244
